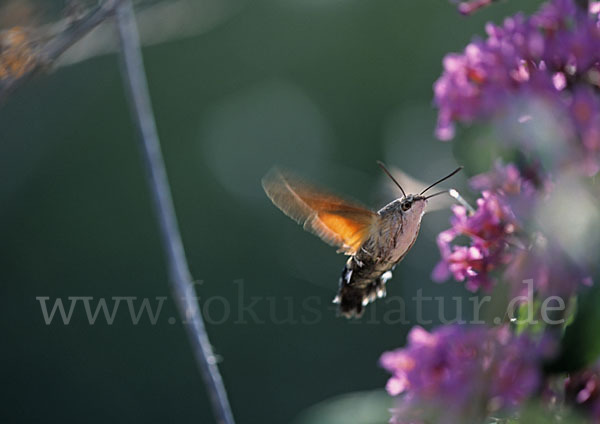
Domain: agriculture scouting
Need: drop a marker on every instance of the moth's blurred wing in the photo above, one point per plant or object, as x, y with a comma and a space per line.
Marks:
335, 220
413, 186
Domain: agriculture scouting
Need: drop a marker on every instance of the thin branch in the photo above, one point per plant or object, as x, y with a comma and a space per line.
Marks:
186, 18
185, 295
51, 50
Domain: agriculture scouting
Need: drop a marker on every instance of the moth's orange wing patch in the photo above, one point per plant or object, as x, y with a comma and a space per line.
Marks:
352, 228
335, 220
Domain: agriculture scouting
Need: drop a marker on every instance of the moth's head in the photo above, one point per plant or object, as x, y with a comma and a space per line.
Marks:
413, 201
414, 204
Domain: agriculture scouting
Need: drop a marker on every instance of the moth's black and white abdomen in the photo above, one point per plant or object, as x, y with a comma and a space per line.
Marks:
360, 284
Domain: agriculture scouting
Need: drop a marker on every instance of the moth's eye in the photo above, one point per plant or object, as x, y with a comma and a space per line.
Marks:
406, 206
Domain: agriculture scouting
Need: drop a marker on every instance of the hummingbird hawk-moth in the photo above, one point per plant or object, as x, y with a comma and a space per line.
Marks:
374, 241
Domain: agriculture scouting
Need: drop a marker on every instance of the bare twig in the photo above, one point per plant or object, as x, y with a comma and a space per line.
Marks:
135, 81
186, 18
52, 49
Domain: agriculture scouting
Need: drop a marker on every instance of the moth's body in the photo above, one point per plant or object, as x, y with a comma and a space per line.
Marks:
374, 241
366, 272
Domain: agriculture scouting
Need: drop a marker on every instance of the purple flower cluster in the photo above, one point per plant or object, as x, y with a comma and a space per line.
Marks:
462, 373
553, 56
497, 239
488, 229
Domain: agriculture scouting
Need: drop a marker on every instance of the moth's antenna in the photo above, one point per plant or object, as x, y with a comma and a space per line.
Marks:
438, 193
443, 179
382, 166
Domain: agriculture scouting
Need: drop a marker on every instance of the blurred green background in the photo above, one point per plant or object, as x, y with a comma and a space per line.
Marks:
323, 87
